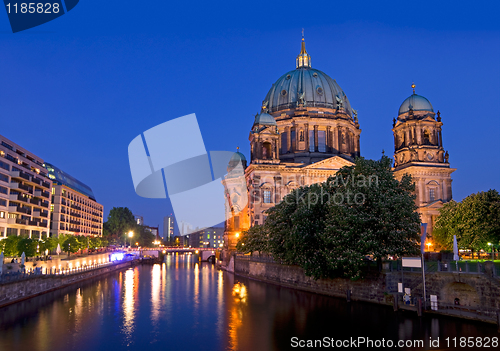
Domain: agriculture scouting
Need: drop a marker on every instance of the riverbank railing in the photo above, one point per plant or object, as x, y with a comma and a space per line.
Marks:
37, 272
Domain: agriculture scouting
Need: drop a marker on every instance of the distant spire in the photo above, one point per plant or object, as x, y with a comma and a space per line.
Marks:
413, 87
304, 59
237, 148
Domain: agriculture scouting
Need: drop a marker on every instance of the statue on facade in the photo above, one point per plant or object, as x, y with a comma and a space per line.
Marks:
446, 156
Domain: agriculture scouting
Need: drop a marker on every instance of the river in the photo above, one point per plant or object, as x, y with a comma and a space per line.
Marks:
183, 305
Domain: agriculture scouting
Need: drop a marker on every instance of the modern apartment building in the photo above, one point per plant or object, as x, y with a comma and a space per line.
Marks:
212, 237
74, 209
24, 192
168, 228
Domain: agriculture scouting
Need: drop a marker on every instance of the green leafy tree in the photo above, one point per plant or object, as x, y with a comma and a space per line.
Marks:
120, 222
329, 228
254, 239
49, 243
28, 246
475, 221
71, 245
10, 246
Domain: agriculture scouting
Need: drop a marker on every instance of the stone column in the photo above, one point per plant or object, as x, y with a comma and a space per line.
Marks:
419, 135
316, 138
440, 139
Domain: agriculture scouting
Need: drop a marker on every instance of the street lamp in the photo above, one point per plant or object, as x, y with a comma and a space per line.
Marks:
130, 235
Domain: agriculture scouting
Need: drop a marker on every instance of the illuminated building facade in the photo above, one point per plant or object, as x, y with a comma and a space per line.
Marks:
74, 209
24, 193
307, 130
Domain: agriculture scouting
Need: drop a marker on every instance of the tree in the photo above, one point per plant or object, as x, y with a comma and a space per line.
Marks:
329, 228
254, 239
475, 221
120, 222
71, 244
49, 243
10, 246
28, 246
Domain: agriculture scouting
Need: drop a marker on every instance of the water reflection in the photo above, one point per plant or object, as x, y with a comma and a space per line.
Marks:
128, 304
186, 305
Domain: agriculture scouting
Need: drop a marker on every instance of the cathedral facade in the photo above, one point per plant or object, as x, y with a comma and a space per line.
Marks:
307, 130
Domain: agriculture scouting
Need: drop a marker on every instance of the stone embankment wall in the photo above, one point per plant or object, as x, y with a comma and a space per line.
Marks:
478, 294
370, 289
12, 292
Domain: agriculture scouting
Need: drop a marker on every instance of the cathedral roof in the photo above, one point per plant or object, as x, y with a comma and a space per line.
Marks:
416, 103
304, 84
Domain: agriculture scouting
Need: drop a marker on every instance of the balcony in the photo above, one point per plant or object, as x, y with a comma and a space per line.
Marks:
18, 197
45, 204
35, 201
19, 175
21, 221
45, 194
44, 214
43, 224
32, 223
61, 227
46, 185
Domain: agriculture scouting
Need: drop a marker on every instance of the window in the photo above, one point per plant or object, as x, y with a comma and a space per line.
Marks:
4, 165
321, 141
53, 191
4, 190
11, 232
284, 143
311, 141
7, 146
2, 214
4, 178
267, 196
292, 138
432, 195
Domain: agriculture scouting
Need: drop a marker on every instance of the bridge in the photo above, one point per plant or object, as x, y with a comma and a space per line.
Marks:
204, 254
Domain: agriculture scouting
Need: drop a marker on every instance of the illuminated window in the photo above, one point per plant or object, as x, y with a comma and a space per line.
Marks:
2, 214
267, 196
52, 208
53, 191
432, 195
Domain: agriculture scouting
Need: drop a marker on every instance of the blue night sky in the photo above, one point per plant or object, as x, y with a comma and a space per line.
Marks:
77, 90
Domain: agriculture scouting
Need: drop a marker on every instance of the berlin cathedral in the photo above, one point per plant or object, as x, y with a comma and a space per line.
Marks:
307, 130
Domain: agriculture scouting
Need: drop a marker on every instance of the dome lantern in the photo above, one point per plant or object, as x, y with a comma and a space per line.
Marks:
303, 59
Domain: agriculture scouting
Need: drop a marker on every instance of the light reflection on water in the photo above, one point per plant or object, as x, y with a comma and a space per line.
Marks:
183, 305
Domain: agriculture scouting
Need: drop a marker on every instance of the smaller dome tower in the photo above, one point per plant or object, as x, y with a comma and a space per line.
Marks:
418, 151
417, 133
264, 139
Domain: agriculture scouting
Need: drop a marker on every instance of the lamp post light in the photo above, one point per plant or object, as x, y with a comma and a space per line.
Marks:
130, 235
